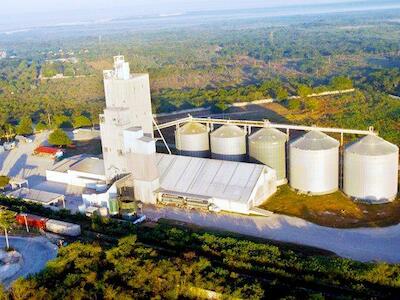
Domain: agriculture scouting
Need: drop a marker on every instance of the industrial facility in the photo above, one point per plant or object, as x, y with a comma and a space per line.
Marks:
233, 165
217, 165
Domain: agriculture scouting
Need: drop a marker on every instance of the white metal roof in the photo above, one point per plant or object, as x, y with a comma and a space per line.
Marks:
192, 128
314, 141
228, 131
371, 145
65, 164
210, 178
36, 196
81, 163
90, 165
268, 135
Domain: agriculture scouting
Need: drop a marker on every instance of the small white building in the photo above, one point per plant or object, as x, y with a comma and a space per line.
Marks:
81, 170
44, 198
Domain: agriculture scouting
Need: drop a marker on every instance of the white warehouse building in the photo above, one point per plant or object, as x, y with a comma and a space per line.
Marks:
227, 185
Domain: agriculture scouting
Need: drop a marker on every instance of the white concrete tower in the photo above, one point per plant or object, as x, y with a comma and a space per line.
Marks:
128, 104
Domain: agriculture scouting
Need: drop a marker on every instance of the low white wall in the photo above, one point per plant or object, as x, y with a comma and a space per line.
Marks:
59, 177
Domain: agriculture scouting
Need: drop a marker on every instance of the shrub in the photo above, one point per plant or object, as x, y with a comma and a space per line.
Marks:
25, 126
82, 121
59, 138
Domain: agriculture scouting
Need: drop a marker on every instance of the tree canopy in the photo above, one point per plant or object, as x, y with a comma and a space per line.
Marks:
59, 138
81, 121
25, 126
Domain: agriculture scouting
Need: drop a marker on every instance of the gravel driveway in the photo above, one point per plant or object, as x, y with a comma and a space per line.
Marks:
363, 244
36, 252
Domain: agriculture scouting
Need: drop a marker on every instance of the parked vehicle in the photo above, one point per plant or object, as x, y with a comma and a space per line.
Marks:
49, 151
8, 146
23, 139
140, 220
50, 225
32, 221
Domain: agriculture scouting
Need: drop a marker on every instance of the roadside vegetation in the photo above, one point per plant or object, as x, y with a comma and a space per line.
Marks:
333, 210
115, 259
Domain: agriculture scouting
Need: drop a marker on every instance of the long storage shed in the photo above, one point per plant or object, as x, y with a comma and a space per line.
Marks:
230, 186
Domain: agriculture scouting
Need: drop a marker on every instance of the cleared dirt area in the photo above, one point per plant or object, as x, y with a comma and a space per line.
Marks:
334, 210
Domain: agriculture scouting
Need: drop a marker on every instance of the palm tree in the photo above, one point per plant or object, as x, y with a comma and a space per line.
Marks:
6, 220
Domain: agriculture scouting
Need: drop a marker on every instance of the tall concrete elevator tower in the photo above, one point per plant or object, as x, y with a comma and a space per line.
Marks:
128, 104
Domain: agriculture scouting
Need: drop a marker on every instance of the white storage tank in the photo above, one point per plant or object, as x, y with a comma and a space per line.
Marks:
63, 228
314, 164
268, 146
228, 143
192, 139
371, 170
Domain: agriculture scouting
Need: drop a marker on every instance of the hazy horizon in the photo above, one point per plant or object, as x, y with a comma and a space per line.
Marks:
21, 14
18, 7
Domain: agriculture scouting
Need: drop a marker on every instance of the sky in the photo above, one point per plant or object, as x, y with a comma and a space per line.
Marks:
22, 14
17, 7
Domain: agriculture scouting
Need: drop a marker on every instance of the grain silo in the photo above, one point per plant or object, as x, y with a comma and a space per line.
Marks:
371, 170
314, 164
228, 143
192, 140
268, 146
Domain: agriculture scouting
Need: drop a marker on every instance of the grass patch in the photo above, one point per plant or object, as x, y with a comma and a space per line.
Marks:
334, 210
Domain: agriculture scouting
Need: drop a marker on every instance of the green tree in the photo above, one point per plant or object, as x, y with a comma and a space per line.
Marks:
312, 104
6, 221
59, 138
304, 90
82, 121
4, 180
281, 94
294, 104
220, 106
41, 126
341, 83
25, 126
23, 289
62, 121
9, 131
3, 294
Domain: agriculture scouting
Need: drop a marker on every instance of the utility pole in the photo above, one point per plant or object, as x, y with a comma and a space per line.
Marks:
6, 235
26, 222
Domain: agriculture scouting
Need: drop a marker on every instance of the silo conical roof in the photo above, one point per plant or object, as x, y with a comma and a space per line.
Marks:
372, 145
192, 128
315, 140
228, 131
268, 135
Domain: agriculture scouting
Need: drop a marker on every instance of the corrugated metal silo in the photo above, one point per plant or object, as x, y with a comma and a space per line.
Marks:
192, 140
371, 170
228, 143
314, 164
268, 146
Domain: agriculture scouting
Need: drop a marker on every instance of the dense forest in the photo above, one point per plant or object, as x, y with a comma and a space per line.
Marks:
49, 79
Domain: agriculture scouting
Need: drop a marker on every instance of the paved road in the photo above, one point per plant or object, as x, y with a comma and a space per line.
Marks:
20, 162
36, 252
364, 244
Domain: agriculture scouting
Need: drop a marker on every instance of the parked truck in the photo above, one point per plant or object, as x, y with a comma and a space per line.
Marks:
50, 225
